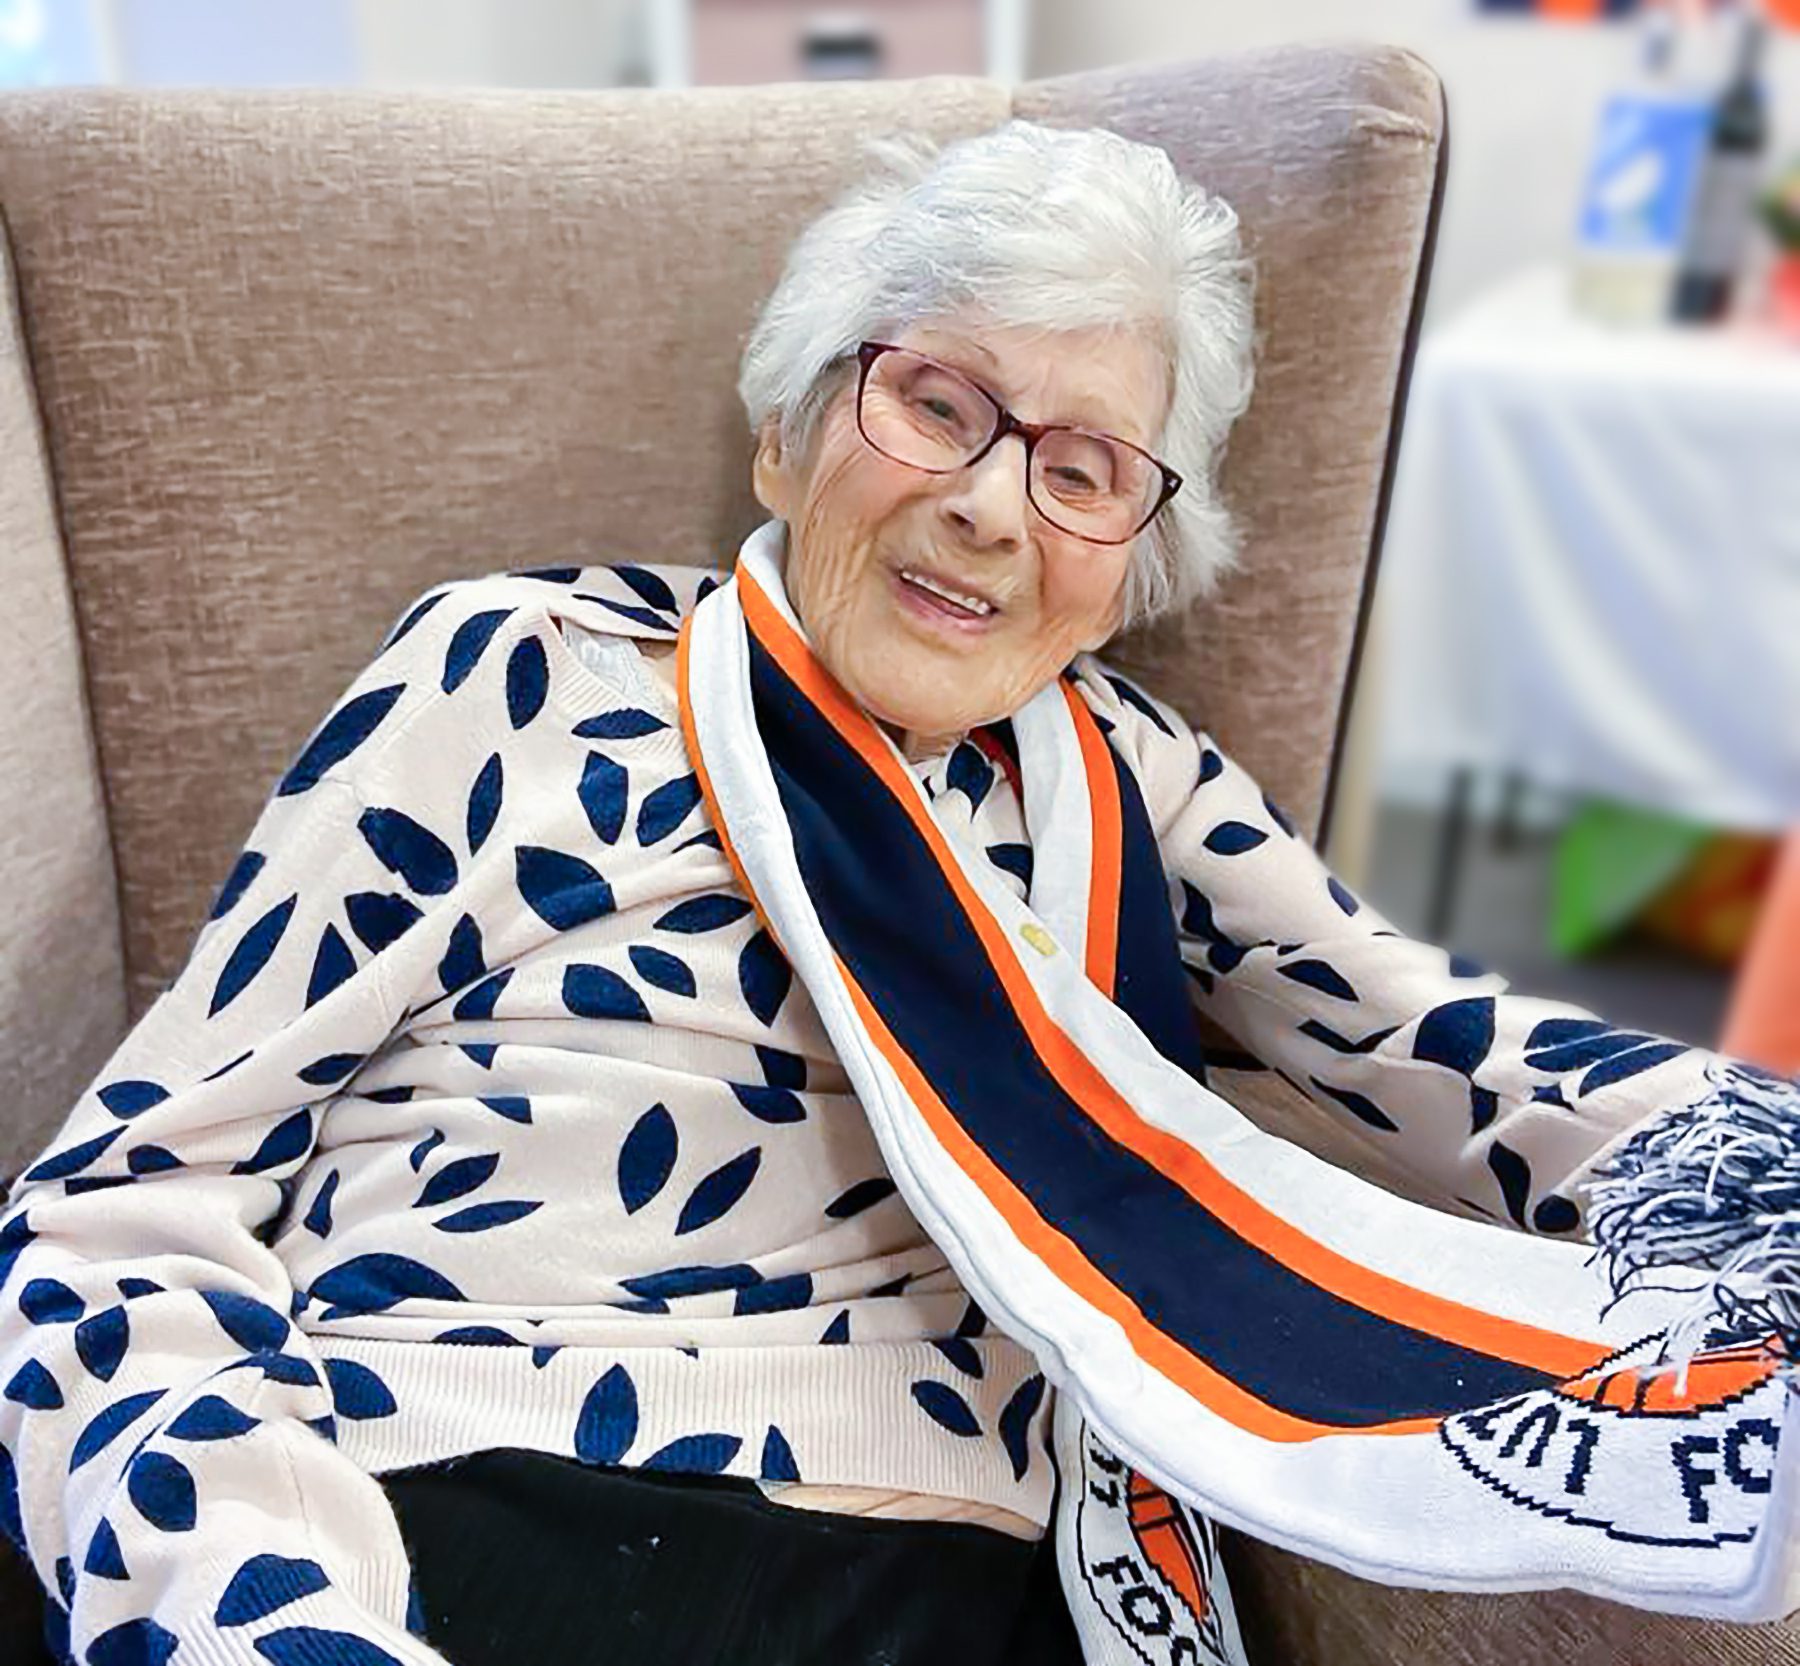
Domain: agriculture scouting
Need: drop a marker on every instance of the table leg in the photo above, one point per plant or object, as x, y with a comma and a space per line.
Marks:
1453, 841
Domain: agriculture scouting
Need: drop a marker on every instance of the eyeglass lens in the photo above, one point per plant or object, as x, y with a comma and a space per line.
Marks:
926, 415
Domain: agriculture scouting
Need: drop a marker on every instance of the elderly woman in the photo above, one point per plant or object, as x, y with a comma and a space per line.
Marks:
643, 1122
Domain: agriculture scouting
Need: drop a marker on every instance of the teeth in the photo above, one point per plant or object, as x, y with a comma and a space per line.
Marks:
975, 604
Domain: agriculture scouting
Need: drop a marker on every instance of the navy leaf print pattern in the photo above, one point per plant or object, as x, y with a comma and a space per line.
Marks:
781, 1069
374, 1283
151, 1159
48, 1301
457, 1179
60, 1165
865, 1194
284, 1143
1458, 1035
135, 1643
637, 615
778, 1458
463, 960
1624, 1065
484, 802
477, 1006
248, 865
380, 918
775, 1295
211, 1418
163, 1491
707, 913
1233, 838
131, 1098
340, 735
960, 1352
265, 1584
334, 1067
647, 1158
104, 1558
1212, 766
662, 970
34, 1387
608, 1422
838, 1331
251, 955
562, 890
945, 1407
424, 1149
1555, 1214
596, 992
356, 1391
1514, 1176
252, 1325
1359, 1106
515, 1107
333, 964
695, 1454
101, 1341
969, 773
105, 1426
764, 976
604, 792
469, 644
418, 613
666, 808
315, 1646
527, 681
408, 848
649, 587
1014, 859
691, 1281
769, 1104
1342, 895
480, 1217
628, 723
719, 1192
1132, 697
1015, 1423
1322, 976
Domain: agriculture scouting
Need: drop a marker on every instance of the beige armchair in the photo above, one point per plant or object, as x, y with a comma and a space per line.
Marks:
272, 364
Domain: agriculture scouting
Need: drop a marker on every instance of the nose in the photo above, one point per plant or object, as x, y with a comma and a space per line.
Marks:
987, 501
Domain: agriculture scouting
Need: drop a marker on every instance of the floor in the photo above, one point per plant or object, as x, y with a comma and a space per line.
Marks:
1499, 920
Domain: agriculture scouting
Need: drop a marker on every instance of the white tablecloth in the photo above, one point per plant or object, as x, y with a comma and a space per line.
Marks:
1592, 570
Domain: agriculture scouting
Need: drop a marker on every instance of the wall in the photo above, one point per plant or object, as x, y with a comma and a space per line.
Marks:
1524, 96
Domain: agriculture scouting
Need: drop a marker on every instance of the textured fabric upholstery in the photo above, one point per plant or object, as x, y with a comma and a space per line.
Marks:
62, 984
294, 357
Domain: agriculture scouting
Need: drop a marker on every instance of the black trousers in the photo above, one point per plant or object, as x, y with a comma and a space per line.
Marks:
521, 1557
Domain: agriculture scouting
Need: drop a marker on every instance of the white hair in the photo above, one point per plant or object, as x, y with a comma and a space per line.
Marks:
1041, 228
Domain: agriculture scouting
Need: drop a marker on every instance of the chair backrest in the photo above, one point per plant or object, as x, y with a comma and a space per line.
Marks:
298, 356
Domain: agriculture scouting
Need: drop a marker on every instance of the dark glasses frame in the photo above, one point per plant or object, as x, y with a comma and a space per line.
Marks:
1006, 423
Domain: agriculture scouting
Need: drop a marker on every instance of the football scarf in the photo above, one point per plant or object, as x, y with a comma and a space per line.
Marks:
1416, 1398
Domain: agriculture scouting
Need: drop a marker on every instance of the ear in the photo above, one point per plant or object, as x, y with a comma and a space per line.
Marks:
772, 473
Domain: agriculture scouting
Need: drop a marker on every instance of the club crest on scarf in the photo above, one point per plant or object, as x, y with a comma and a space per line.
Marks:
1637, 1450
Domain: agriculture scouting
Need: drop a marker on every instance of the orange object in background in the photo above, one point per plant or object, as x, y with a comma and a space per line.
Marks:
1763, 1022
1712, 907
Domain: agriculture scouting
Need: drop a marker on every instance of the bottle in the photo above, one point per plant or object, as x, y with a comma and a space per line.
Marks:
1647, 153
1724, 200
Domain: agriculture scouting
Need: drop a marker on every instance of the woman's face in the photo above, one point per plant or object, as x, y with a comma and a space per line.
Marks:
863, 531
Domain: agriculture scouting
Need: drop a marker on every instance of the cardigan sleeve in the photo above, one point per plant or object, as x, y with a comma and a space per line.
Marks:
1501, 1102
166, 1430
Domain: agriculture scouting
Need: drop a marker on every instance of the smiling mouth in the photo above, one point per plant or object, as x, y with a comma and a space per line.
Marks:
955, 601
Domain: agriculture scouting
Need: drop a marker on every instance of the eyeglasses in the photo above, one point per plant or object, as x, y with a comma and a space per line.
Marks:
929, 417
